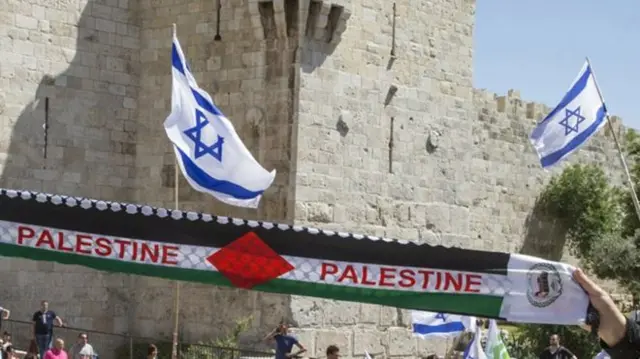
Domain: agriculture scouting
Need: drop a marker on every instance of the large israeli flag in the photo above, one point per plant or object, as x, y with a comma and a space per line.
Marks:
209, 152
425, 324
579, 115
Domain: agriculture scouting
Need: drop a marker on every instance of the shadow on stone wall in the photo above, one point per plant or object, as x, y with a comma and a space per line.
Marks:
544, 236
323, 30
67, 140
73, 133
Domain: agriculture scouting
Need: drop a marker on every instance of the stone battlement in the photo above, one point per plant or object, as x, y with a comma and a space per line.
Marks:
318, 20
512, 104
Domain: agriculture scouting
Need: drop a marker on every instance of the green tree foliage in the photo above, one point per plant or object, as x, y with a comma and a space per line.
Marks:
602, 229
220, 348
531, 340
584, 202
225, 347
630, 222
599, 218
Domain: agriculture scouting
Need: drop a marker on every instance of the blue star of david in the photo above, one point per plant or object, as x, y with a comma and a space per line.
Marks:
195, 135
441, 316
567, 116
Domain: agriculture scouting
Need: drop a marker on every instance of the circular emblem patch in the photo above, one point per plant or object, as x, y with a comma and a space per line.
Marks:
544, 285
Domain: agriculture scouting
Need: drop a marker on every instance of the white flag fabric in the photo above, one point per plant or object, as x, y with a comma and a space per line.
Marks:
579, 115
602, 355
425, 324
495, 347
474, 349
209, 152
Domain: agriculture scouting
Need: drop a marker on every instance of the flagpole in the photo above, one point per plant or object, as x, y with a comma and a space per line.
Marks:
176, 309
634, 195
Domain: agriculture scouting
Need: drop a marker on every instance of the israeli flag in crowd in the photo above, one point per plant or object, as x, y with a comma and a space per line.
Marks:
474, 349
579, 115
209, 152
426, 324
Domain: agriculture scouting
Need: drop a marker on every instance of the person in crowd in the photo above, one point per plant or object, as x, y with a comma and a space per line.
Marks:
4, 314
152, 352
57, 352
43, 327
619, 337
6, 342
555, 350
33, 348
284, 342
9, 353
82, 349
6, 338
333, 352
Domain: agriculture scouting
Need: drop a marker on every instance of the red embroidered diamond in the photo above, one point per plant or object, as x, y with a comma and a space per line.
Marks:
248, 261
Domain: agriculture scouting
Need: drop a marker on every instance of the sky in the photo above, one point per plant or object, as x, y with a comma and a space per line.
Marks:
538, 47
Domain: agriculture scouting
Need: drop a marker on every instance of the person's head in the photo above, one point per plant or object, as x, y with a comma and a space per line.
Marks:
6, 337
283, 328
44, 305
152, 351
9, 349
59, 344
83, 338
554, 340
333, 352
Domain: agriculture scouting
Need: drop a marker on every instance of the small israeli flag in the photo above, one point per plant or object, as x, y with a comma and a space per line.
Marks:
426, 324
209, 152
579, 115
474, 349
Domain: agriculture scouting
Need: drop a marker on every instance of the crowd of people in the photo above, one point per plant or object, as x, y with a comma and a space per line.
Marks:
43, 345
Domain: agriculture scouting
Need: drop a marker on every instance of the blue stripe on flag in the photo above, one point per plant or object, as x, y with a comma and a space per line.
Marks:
175, 59
446, 328
574, 92
576, 141
196, 174
201, 100
467, 350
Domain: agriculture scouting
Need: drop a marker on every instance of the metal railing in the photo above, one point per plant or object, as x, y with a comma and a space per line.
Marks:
123, 346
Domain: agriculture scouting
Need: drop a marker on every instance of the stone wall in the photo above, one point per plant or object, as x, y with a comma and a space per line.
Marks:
68, 87
364, 115
394, 145
249, 74
107, 86
417, 153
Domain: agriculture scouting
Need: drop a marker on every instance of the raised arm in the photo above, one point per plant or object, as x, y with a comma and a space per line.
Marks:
269, 337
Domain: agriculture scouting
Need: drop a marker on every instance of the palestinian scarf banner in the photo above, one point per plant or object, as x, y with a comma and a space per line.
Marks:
278, 258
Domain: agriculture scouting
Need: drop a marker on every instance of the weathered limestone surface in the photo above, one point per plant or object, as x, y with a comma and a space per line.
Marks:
362, 141
83, 61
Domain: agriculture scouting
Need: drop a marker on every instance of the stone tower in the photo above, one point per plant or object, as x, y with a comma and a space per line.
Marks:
365, 108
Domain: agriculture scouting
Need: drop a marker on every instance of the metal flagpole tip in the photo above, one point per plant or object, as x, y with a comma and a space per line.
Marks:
174, 28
